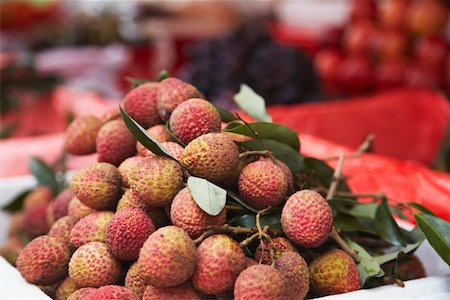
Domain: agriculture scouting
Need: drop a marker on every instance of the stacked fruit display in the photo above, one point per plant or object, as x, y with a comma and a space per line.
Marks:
197, 209
387, 44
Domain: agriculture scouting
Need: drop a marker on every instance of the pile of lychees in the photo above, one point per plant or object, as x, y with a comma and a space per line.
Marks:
130, 228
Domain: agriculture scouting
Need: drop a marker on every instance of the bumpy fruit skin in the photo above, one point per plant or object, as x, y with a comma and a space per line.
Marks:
35, 221
186, 214
91, 228
212, 156
282, 244
61, 229
168, 257
156, 180
171, 93
44, 261
287, 172
262, 184
130, 199
159, 133
59, 207
81, 134
97, 185
184, 291
307, 219
115, 143
193, 118
295, 269
134, 282
334, 272
127, 231
65, 289
220, 261
261, 282
93, 265
140, 104
38, 196
78, 210
81, 294
174, 149
112, 292
126, 166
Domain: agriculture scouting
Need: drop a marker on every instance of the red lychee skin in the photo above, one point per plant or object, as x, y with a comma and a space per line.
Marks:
127, 231
193, 118
174, 149
44, 261
79, 210
81, 294
156, 180
213, 156
334, 272
186, 214
112, 292
295, 269
282, 244
130, 199
184, 291
61, 229
168, 257
38, 196
91, 228
262, 184
93, 265
59, 207
220, 261
159, 133
287, 172
16, 224
81, 134
250, 262
261, 282
65, 289
125, 167
97, 185
140, 104
171, 93
115, 143
35, 221
307, 219
134, 282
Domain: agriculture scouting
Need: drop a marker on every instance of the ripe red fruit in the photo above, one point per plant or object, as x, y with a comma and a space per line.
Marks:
427, 17
355, 74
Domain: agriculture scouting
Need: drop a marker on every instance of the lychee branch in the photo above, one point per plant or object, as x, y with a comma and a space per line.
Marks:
337, 238
364, 147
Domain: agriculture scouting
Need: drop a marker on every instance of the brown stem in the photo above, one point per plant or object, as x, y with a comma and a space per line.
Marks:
337, 176
337, 238
364, 147
248, 240
255, 152
235, 208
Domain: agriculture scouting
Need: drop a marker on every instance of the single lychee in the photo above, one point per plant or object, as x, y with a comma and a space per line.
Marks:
186, 214
127, 231
193, 118
212, 156
183, 291
168, 257
140, 104
295, 270
81, 294
35, 221
66, 288
61, 229
125, 167
159, 133
282, 245
134, 282
261, 282
130, 199
37, 197
174, 149
334, 272
112, 292
78, 210
171, 93
220, 261
307, 219
44, 260
115, 143
97, 185
262, 184
81, 134
93, 265
59, 207
91, 228
285, 169
156, 180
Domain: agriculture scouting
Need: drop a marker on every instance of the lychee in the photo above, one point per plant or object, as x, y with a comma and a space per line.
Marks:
35, 220
334, 272
81, 294
44, 260
81, 134
78, 210
174, 149
261, 282
183, 291
61, 229
125, 167
186, 214
59, 207
282, 245
130, 199
295, 270
11, 249
112, 292
212, 156
193, 118
134, 282
156, 180
93, 265
16, 224
115, 143
91, 228
140, 104
157, 132
171, 93
285, 169
65, 289
307, 219
262, 184
37, 197
168, 257
49, 290
97, 185
220, 261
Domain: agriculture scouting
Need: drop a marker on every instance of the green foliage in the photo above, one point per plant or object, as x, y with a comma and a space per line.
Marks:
252, 103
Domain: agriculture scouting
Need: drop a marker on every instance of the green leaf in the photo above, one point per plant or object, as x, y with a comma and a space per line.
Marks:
351, 224
421, 208
249, 221
397, 211
382, 259
173, 136
44, 174
323, 172
268, 131
281, 151
135, 82
163, 75
143, 136
386, 226
236, 197
17, 203
252, 103
366, 210
437, 232
225, 115
208, 196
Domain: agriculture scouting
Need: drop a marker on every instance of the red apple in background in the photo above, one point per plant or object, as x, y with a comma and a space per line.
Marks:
359, 38
392, 44
389, 75
363, 10
355, 74
392, 13
432, 52
427, 17
418, 76
326, 63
